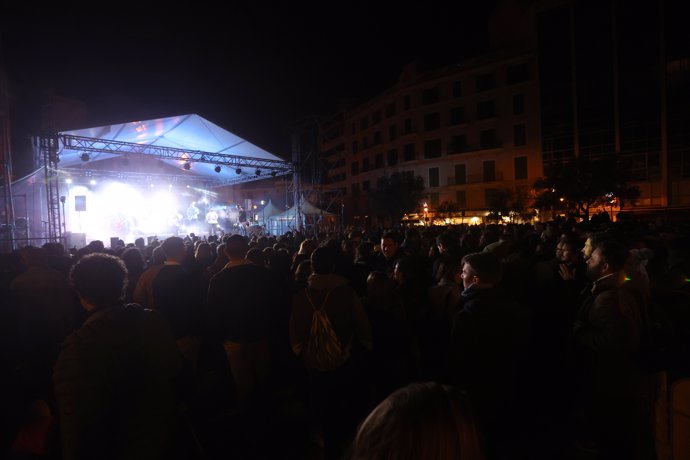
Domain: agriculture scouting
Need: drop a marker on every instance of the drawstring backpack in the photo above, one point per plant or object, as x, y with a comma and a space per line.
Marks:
323, 350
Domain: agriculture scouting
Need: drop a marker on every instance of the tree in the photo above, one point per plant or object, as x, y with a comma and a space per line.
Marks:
580, 184
627, 194
506, 202
395, 195
499, 203
446, 209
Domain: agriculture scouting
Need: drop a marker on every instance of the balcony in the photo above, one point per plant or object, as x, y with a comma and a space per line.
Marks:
480, 179
456, 150
475, 179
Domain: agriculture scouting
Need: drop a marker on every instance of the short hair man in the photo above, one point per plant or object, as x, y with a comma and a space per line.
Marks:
114, 376
607, 334
488, 341
481, 270
175, 295
335, 394
239, 302
390, 252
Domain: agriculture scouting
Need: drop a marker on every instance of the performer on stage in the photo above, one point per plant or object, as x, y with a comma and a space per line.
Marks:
174, 222
224, 221
243, 224
212, 221
193, 212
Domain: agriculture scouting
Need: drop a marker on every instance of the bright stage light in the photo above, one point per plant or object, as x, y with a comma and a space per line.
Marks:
122, 210
69, 181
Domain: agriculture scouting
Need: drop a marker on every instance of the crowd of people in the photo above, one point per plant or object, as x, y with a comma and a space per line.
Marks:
539, 341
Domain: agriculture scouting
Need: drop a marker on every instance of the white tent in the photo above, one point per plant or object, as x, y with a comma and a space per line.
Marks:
287, 220
270, 210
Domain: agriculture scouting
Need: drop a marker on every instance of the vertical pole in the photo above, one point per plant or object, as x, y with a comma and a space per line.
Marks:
296, 180
573, 87
664, 157
616, 73
6, 171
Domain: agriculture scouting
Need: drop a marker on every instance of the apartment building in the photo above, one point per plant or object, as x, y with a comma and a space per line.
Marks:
469, 131
615, 80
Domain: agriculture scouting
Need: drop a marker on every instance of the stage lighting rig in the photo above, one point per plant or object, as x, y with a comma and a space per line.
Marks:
217, 169
238, 171
258, 172
187, 166
273, 173
85, 157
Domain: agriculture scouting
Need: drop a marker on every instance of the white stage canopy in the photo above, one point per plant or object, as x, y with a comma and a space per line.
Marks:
175, 141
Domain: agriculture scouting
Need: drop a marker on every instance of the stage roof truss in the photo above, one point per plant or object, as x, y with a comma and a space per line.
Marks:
135, 176
249, 166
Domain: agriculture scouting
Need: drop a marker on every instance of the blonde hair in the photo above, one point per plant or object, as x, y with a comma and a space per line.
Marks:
420, 421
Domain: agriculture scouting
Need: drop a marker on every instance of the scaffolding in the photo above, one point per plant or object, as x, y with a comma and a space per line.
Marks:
50, 159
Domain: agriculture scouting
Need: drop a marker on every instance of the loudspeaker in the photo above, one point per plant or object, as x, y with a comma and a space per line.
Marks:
77, 240
113, 242
80, 203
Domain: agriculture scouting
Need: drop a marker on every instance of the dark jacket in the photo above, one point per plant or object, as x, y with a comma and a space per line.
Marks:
238, 304
488, 348
176, 298
114, 385
607, 335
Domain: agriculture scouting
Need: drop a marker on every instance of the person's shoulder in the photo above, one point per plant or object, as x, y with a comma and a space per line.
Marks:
170, 271
250, 270
345, 293
100, 326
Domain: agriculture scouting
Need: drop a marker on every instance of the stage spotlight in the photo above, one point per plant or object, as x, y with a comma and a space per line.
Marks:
187, 166
85, 157
258, 172
273, 173
217, 169
238, 171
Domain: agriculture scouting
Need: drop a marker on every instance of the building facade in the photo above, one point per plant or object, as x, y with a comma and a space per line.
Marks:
470, 131
614, 80
566, 79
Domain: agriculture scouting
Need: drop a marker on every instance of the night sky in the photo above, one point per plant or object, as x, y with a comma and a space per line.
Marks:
254, 70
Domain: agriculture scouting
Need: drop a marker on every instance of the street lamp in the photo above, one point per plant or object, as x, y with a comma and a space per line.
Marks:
612, 201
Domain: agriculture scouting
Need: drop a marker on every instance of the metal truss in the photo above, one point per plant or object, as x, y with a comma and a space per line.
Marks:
48, 147
133, 176
93, 145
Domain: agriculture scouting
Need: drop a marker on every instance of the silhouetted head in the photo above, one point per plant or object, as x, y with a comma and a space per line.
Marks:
419, 421
100, 279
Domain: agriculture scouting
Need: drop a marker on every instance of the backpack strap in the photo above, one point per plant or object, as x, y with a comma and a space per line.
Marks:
323, 304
